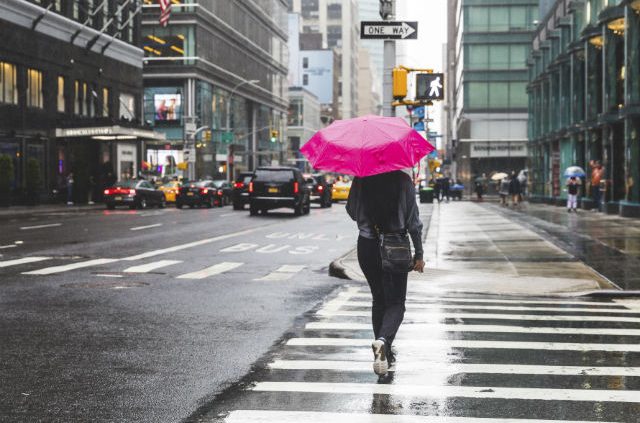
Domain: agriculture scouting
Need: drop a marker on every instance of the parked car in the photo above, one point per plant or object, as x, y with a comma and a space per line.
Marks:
201, 193
340, 190
133, 193
170, 190
321, 190
275, 187
223, 193
240, 193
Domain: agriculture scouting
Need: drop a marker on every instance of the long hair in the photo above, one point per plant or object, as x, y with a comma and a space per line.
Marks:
381, 196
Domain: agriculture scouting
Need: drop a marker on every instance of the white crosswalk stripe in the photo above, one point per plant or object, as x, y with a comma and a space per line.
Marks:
66, 267
23, 260
502, 361
283, 273
144, 268
216, 269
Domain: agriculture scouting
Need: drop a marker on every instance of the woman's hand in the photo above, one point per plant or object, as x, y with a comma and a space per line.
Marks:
419, 266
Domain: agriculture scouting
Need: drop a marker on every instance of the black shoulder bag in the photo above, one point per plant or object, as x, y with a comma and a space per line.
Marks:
395, 250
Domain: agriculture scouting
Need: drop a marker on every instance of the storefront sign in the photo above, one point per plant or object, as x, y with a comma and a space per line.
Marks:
498, 149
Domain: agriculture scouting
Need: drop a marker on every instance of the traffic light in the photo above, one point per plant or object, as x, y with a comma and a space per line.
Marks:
207, 135
399, 83
386, 6
274, 135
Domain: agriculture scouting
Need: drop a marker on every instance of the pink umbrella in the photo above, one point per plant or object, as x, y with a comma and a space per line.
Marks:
366, 146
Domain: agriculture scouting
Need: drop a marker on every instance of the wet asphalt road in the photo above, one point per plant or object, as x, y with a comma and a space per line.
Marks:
146, 315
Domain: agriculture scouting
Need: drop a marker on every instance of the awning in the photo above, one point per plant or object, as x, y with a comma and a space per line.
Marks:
110, 133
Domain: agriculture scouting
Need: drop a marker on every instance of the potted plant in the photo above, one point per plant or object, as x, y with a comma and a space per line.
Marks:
6, 179
32, 181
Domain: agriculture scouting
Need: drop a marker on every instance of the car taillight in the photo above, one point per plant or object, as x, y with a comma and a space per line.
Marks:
219, 192
107, 192
204, 190
320, 188
296, 188
132, 192
250, 186
239, 185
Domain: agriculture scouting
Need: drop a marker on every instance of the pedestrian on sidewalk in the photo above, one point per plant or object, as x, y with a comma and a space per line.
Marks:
514, 189
597, 170
573, 187
479, 189
382, 205
504, 191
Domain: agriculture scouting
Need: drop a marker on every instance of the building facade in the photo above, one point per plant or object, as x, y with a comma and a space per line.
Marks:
223, 66
334, 25
303, 121
488, 45
584, 101
71, 94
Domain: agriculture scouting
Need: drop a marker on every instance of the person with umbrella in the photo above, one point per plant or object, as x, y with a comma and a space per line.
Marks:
383, 203
573, 184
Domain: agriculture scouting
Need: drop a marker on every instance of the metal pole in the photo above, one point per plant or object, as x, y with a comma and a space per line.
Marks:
389, 64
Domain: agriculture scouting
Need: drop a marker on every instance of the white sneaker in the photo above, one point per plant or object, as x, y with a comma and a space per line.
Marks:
380, 364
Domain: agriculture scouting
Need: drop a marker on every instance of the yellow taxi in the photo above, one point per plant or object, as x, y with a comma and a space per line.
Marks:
340, 190
170, 190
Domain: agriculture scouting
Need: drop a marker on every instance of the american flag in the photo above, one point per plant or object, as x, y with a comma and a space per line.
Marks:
165, 11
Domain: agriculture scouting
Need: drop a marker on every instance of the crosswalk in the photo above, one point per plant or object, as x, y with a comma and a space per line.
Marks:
45, 266
461, 358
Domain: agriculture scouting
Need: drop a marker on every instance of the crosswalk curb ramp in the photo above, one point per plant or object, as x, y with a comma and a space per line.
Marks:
461, 358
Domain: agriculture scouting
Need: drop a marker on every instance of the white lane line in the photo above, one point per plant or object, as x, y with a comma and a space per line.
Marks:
108, 275
211, 271
456, 368
437, 299
139, 228
421, 306
459, 343
411, 328
274, 416
144, 268
447, 391
426, 317
24, 260
50, 225
67, 267
2, 247
283, 273
154, 253
227, 215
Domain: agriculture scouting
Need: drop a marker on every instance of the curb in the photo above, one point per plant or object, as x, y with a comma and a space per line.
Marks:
337, 269
611, 293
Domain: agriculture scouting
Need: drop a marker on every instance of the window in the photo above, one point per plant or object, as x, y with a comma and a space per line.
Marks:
75, 10
34, 89
334, 11
127, 106
496, 95
77, 101
305, 62
60, 97
8, 87
478, 18
172, 41
305, 79
105, 102
85, 100
295, 115
496, 56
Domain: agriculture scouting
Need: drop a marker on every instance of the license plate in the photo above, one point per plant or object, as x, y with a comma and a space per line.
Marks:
190, 194
118, 198
273, 190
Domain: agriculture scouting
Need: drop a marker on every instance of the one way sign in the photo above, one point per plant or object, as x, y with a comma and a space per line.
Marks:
388, 30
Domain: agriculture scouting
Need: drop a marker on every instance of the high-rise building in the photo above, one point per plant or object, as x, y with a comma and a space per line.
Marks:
369, 10
223, 65
71, 94
334, 24
488, 44
584, 97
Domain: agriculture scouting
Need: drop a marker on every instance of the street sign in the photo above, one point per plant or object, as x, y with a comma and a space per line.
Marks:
430, 86
189, 155
418, 112
226, 136
418, 126
388, 30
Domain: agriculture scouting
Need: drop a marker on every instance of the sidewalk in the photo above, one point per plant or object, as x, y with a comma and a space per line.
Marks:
478, 249
47, 208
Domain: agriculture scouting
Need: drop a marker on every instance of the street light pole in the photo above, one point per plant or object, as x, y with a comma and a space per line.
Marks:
228, 123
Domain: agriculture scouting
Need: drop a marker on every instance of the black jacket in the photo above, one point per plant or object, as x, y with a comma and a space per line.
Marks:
408, 214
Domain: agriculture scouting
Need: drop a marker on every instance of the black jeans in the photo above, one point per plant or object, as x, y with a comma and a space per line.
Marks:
389, 290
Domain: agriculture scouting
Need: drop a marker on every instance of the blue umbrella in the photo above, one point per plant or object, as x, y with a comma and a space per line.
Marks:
576, 171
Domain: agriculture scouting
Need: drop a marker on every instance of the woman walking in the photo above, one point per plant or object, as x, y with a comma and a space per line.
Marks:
385, 205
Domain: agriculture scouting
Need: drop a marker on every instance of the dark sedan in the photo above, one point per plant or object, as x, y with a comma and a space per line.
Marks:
241, 190
201, 193
133, 193
224, 192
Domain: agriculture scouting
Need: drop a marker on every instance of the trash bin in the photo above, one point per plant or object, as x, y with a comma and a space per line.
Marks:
426, 195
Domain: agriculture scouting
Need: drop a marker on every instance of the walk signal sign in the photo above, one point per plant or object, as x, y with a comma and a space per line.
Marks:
430, 86
274, 135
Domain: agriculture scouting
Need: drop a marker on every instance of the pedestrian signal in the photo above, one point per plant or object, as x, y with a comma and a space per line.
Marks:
207, 135
430, 86
399, 83
274, 135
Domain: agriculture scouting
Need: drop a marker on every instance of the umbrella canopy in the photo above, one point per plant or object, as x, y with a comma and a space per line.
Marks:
576, 171
366, 146
499, 176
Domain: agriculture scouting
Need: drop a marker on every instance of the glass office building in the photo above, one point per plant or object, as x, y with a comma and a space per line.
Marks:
489, 42
224, 66
584, 100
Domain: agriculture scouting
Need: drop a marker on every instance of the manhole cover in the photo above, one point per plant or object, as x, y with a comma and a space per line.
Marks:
106, 285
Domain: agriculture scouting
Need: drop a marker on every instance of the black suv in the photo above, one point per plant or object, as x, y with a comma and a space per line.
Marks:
241, 190
320, 189
275, 187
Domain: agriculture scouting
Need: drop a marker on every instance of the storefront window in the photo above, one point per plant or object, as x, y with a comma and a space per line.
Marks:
127, 106
34, 89
60, 97
105, 102
8, 87
77, 105
171, 41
